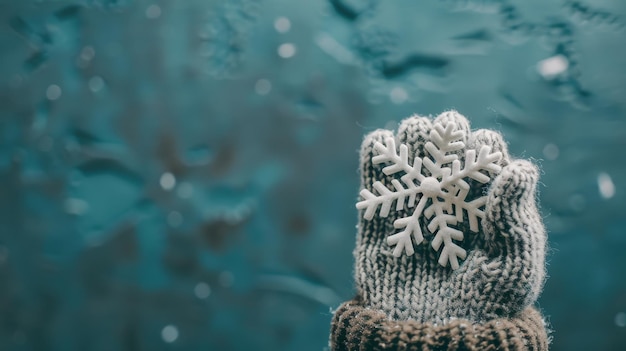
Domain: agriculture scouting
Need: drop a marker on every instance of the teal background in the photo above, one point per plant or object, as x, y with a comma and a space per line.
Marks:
169, 181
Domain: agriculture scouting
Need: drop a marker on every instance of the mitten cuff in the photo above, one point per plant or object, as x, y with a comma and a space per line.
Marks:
355, 327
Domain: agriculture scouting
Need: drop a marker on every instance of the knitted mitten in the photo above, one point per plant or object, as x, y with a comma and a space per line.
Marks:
449, 241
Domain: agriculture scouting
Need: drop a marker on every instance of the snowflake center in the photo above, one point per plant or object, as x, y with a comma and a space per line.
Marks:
430, 187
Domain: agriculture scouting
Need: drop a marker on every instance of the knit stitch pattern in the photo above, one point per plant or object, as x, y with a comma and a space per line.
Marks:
502, 273
356, 328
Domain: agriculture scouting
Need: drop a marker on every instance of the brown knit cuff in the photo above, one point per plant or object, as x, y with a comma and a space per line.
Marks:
355, 327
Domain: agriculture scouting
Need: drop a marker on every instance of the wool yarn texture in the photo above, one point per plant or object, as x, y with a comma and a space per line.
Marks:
450, 247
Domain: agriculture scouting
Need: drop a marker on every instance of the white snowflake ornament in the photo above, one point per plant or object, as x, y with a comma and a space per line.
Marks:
440, 196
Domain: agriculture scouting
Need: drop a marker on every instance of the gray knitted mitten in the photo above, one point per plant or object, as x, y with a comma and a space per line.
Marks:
448, 224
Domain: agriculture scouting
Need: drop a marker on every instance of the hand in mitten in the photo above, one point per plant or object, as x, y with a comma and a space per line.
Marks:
448, 228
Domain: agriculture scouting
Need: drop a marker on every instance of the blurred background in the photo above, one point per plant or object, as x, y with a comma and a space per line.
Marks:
181, 175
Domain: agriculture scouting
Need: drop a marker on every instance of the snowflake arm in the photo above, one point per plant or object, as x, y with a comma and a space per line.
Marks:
412, 226
451, 251
399, 163
472, 208
385, 199
444, 141
485, 161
